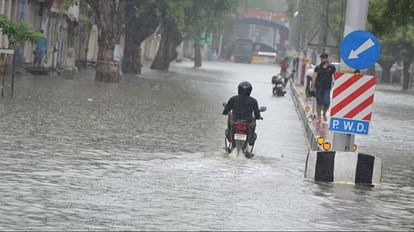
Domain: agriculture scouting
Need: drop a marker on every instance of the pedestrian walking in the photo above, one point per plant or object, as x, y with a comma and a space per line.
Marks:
322, 84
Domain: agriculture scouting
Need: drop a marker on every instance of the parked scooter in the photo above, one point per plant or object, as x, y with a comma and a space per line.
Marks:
278, 85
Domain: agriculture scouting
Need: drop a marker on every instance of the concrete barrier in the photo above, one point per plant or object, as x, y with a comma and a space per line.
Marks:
343, 167
310, 134
331, 166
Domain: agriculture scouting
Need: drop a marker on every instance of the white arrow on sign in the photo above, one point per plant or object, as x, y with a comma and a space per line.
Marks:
365, 46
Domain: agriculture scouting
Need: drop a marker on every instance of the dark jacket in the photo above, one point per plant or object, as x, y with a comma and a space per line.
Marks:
242, 107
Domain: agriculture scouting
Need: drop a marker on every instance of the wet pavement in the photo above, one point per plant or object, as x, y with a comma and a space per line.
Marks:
148, 154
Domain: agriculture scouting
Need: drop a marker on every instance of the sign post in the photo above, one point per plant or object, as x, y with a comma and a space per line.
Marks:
356, 17
354, 94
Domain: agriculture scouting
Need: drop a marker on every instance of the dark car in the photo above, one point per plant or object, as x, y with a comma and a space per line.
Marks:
242, 51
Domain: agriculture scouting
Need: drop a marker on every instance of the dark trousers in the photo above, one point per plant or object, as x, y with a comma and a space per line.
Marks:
308, 86
38, 61
323, 98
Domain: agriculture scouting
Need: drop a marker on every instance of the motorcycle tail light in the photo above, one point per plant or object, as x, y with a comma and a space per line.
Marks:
241, 128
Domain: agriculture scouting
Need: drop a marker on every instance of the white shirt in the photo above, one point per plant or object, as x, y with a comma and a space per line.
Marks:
309, 72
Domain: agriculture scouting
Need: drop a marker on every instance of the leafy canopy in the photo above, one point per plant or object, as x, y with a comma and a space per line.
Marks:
18, 31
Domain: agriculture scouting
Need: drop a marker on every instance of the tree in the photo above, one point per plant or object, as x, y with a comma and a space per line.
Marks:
388, 56
392, 21
398, 12
142, 19
172, 17
18, 32
263, 5
376, 24
206, 16
109, 18
310, 19
86, 22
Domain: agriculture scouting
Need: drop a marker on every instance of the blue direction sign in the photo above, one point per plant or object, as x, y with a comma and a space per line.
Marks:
349, 126
360, 49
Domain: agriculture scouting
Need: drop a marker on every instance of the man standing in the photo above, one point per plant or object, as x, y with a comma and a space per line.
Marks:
40, 51
322, 84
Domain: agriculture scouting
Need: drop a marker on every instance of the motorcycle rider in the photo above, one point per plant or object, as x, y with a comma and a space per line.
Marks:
243, 107
284, 66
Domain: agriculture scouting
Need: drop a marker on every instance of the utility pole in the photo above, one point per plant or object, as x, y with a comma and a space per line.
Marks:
323, 36
356, 18
303, 24
300, 26
293, 33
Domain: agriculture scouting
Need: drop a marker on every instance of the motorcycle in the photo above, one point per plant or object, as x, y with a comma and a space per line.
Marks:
239, 139
279, 84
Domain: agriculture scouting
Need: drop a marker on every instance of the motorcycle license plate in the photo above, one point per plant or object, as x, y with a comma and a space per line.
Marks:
242, 137
279, 85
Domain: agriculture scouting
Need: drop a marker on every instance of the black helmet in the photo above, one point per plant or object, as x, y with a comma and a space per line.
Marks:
245, 88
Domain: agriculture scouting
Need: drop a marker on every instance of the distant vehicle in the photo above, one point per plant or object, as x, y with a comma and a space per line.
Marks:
278, 83
245, 51
263, 54
242, 51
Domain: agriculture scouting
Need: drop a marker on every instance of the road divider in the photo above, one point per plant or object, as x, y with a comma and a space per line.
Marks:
323, 164
343, 167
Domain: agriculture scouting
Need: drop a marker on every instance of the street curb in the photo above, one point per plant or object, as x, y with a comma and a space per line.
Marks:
300, 109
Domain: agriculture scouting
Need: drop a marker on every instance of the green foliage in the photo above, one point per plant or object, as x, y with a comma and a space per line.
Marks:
174, 10
65, 5
208, 16
171, 10
18, 31
265, 5
392, 22
141, 7
399, 12
84, 20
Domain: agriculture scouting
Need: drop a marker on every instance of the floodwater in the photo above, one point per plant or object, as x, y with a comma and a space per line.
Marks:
147, 154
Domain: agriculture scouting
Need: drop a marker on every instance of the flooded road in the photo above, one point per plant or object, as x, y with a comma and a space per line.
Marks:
148, 154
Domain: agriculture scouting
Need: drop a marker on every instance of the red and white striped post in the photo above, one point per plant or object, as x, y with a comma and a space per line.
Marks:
356, 18
353, 96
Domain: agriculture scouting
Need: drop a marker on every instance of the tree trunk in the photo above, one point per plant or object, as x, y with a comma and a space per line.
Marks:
371, 71
386, 72
131, 63
138, 28
84, 30
110, 29
197, 50
406, 75
170, 39
161, 61
70, 61
72, 33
